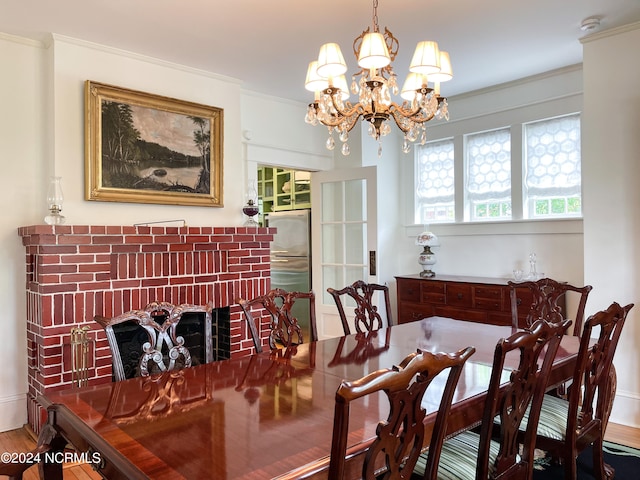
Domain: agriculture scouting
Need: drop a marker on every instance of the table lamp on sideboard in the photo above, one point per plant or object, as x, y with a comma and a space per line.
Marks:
427, 258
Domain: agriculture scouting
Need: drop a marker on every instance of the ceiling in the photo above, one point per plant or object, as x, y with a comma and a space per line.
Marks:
267, 44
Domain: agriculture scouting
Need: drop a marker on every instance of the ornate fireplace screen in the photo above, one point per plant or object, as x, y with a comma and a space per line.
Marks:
179, 348
163, 337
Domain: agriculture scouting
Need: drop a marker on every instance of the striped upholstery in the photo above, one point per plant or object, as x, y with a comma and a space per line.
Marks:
553, 418
459, 457
470, 455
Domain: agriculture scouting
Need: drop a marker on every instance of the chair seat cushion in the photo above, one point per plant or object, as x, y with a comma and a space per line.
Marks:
459, 457
553, 418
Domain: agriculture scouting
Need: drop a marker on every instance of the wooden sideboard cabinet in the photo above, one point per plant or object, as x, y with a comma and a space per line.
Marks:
478, 299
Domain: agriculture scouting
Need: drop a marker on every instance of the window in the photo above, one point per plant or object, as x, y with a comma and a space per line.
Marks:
552, 181
528, 170
488, 176
435, 182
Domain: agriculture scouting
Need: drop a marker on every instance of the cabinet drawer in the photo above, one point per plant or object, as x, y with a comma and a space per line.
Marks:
488, 303
409, 290
437, 298
429, 286
433, 292
482, 291
488, 297
459, 295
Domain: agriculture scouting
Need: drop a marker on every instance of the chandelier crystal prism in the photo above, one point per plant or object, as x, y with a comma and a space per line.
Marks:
374, 84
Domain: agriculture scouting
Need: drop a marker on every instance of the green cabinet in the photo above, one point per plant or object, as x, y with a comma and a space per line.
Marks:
265, 192
283, 189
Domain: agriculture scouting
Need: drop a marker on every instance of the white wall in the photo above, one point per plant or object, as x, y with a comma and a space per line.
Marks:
22, 150
389, 206
610, 153
282, 140
73, 63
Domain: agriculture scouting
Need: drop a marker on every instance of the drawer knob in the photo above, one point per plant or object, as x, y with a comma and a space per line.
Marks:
459, 296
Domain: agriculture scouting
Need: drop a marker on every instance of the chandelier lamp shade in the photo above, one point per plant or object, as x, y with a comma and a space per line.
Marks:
374, 84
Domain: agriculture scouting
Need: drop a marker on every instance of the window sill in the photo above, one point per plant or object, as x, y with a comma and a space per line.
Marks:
513, 227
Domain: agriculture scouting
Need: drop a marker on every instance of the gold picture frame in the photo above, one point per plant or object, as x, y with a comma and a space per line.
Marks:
145, 148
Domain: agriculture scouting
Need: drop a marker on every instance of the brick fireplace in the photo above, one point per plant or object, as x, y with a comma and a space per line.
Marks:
74, 272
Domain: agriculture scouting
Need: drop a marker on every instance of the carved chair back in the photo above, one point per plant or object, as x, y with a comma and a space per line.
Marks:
591, 395
537, 348
595, 362
148, 341
546, 294
284, 329
401, 437
367, 317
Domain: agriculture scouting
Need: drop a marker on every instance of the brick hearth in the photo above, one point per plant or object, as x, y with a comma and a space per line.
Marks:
75, 272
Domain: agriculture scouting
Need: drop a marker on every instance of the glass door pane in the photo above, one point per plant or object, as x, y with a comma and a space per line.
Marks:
346, 237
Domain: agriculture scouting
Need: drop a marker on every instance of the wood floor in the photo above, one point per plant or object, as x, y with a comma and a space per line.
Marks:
21, 440
623, 435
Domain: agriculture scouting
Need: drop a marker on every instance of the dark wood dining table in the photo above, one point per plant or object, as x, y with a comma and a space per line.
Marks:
269, 415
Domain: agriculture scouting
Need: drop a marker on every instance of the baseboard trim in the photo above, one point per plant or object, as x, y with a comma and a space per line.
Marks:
13, 412
626, 409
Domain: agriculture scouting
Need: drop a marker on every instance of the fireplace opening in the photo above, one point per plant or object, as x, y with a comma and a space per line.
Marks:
221, 333
131, 337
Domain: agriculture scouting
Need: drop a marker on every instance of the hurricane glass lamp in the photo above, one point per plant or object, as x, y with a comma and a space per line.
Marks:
427, 258
55, 198
250, 208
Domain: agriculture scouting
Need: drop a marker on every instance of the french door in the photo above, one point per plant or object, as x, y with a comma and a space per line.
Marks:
344, 236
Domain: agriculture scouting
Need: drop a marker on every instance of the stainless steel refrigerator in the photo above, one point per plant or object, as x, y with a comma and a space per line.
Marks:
291, 259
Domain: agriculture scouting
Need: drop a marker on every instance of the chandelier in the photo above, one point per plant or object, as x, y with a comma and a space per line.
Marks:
374, 83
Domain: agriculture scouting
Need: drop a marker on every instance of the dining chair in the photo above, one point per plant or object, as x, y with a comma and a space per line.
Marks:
367, 316
158, 338
546, 294
494, 452
284, 328
545, 297
567, 427
400, 438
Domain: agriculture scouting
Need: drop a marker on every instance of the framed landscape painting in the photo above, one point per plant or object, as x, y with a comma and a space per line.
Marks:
145, 148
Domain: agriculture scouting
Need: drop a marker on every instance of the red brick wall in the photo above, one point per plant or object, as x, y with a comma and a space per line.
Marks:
74, 272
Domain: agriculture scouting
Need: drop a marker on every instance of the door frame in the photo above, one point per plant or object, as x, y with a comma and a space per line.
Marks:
329, 324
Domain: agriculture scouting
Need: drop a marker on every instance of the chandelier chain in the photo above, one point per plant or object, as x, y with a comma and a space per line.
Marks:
375, 16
